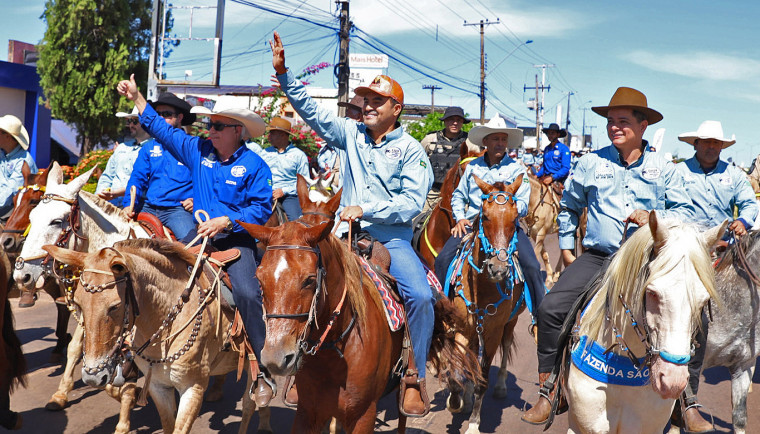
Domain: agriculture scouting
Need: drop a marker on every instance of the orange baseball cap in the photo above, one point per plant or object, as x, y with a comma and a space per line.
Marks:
385, 86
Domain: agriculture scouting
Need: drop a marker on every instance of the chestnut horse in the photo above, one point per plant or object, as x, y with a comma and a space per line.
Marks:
327, 325
12, 239
12, 362
132, 297
488, 292
438, 227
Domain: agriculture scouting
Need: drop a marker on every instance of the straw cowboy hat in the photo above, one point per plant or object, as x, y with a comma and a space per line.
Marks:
254, 125
13, 126
133, 114
385, 86
707, 130
280, 124
555, 127
625, 97
496, 125
170, 99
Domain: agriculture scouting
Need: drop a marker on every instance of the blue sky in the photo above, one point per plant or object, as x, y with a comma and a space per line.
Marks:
695, 60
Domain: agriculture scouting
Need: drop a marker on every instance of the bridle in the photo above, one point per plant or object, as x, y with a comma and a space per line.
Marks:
22, 190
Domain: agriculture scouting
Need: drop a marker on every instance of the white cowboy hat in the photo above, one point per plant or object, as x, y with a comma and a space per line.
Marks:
134, 114
13, 126
707, 130
254, 125
496, 125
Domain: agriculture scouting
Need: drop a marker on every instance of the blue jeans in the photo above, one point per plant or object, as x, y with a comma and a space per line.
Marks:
246, 292
418, 298
175, 218
292, 207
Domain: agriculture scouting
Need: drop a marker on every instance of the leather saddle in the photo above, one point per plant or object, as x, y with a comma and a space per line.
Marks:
154, 227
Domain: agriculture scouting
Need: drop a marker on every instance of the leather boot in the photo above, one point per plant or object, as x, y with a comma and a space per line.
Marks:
27, 298
291, 393
263, 390
694, 422
415, 402
539, 413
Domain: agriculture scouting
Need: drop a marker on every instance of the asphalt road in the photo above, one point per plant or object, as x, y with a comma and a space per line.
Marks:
91, 411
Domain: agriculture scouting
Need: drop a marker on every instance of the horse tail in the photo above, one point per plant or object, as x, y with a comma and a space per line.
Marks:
17, 369
449, 357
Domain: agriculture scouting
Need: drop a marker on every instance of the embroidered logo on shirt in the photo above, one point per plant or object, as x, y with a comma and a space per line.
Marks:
651, 173
604, 171
209, 160
393, 153
156, 151
230, 182
725, 179
423, 164
237, 171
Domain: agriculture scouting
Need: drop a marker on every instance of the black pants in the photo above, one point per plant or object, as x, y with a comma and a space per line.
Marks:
695, 364
559, 301
527, 260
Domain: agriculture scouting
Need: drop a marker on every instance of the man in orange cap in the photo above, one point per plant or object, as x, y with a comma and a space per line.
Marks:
619, 184
386, 177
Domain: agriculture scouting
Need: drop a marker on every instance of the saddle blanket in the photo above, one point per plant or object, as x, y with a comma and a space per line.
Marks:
607, 368
394, 311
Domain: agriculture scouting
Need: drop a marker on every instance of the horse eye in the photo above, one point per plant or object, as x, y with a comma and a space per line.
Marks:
56, 222
113, 308
309, 282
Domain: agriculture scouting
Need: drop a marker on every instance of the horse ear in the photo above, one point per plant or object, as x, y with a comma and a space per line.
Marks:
319, 232
77, 183
484, 186
713, 235
55, 177
302, 188
659, 232
334, 202
42, 175
513, 187
26, 172
258, 232
314, 173
463, 150
118, 265
66, 256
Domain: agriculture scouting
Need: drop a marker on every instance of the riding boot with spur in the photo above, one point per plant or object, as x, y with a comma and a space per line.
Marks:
415, 400
263, 390
539, 413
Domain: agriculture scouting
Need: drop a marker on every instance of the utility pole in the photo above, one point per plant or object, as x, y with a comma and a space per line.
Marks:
482, 25
543, 87
567, 119
432, 88
343, 70
539, 109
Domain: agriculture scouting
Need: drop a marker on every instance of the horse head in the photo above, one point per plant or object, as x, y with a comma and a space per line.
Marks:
46, 221
24, 201
496, 226
291, 278
317, 210
680, 275
102, 301
320, 188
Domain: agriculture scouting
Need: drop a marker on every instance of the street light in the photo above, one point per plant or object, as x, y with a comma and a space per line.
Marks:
529, 41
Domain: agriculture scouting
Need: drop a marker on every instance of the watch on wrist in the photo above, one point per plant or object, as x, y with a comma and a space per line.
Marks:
229, 226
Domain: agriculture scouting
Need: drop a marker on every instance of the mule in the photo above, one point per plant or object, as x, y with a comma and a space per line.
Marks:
12, 361
327, 325
437, 229
629, 361
178, 338
486, 292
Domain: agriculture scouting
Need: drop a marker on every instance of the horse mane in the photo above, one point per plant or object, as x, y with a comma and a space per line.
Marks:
108, 208
729, 257
631, 271
164, 248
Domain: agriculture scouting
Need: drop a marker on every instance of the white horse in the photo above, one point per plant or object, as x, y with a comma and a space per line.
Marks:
647, 307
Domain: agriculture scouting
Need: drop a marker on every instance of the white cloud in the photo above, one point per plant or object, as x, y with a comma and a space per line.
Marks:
698, 64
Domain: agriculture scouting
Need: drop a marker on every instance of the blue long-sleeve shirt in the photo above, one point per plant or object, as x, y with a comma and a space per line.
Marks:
715, 193
612, 191
388, 180
468, 192
556, 161
119, 167
285, 166
160, 179
11, 178
239, 188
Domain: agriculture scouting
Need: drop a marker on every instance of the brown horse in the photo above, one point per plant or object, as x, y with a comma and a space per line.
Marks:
178, 338
326, 324
488, 292
441, 220
12, 362
541, 220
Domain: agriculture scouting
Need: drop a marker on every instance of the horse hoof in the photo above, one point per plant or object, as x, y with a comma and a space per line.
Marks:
454, 404
214, 395
500, 393
56, 404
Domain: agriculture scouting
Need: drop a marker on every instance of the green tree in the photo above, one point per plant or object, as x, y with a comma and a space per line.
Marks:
430, 123
90, 45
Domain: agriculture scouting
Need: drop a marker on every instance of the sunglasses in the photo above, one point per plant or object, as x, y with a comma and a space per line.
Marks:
133, 121
167, 114
219, 126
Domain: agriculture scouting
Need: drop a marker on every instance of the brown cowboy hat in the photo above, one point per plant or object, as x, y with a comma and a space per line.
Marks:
626, 97
356, 102
280, 124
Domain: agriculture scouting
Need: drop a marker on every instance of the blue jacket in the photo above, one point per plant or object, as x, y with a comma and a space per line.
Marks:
714, 194
388, 180
285, 166
160, 179
556, 161
468, 192
239, 188
612, 191
11, 178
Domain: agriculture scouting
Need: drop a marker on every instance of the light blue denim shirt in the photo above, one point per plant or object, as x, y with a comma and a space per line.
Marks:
119, 166
612, 191
465, 203
255, 147
714, 194
285, 166
388, 180
11, 178
327, 157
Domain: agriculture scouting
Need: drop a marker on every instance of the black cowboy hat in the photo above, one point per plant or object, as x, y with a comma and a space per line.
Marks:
455, 111
170, 99
555, 127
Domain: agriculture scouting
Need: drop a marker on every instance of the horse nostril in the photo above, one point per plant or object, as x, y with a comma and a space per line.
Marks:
289, 359
7, 243
27, 279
